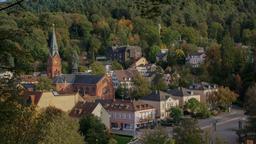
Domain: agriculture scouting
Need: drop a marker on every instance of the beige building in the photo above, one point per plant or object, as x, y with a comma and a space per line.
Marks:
204, 89
96, 109
139, 62
45, 99
183, 95
162, 102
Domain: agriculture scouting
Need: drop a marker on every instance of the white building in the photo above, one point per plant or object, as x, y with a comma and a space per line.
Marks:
196, 59
128, 116
204, 89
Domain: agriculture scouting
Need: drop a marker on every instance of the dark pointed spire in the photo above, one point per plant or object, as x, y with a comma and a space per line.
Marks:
54, 46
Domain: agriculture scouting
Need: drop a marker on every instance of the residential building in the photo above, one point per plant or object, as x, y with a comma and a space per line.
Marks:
125, 53
123, 78
127, 116
167, 78
139, 62
6, 74
162, 55
87, 85
196, 59
29, 79
183, 95
64, 102
54, 60
162, 102
204, 89
143, 67
86, 108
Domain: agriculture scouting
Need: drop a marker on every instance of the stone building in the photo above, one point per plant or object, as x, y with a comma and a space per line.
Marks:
124, 54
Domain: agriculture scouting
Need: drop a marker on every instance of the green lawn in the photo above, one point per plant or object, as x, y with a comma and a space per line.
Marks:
122, 139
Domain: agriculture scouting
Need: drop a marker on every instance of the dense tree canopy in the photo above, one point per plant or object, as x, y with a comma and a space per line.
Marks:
93, 26
93, 130
141, 87
20, 123
222, 99
157, 136
44, 84
55, 126
188, 132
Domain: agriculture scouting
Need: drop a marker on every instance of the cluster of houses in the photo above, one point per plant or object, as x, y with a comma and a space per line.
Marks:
81, 94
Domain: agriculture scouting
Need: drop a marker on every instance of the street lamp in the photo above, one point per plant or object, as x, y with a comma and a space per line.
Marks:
215, 124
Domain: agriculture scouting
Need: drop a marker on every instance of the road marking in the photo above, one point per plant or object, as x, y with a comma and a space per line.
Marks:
221, 123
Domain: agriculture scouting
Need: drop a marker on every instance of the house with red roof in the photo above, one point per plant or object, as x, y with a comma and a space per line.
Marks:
128, 116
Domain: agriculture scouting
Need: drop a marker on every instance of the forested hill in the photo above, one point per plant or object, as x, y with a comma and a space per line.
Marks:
93, 26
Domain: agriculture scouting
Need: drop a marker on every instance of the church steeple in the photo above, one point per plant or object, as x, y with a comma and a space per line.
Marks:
53, 44
54, 60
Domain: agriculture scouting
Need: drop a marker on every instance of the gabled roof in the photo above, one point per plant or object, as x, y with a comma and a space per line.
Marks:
181, 92
77, 78
125, 105
202, 86
197, 54
125, 74
157, 96
83, 108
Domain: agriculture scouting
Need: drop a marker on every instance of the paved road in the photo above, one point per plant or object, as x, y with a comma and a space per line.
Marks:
226, 125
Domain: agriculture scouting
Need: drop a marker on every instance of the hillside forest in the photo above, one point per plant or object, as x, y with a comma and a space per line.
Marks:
226, 29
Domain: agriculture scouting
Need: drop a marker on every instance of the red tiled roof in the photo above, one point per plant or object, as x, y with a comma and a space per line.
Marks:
126, 105
125, 74
83, 108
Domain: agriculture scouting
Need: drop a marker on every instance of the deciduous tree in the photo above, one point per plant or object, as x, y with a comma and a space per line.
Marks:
222, 99
93, 130
188, 132
141, 86
156, 136
176, 114
97, 68
44, 84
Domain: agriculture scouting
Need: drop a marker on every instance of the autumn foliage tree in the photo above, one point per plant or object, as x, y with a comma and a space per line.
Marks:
222, 99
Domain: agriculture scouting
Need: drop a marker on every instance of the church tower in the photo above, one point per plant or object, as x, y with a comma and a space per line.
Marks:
54, 60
